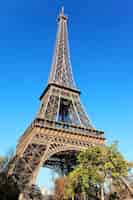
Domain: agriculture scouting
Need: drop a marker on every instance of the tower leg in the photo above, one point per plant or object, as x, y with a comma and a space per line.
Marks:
17, 177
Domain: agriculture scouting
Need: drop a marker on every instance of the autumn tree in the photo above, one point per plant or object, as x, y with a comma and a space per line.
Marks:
59, 188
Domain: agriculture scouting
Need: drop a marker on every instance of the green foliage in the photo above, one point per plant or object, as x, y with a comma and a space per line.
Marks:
130, 165
2, 162
96, 164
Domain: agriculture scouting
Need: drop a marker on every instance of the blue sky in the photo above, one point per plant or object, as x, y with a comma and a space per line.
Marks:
101, 43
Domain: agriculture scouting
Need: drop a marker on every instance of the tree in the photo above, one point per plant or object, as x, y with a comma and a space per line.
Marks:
97, 165
59, 188
3, 160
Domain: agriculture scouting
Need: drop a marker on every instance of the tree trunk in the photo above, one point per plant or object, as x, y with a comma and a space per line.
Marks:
84, 196
102, 192
73, 196
21, 197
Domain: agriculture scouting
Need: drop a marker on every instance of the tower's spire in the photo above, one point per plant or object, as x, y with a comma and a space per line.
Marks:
61, 72
62, 10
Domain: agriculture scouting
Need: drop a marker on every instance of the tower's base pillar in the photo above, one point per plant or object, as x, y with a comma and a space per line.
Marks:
31, 193
10, 190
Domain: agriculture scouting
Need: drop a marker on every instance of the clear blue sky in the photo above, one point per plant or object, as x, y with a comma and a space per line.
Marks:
101, 41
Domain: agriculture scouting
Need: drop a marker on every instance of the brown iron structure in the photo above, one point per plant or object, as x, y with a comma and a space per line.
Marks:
61, 127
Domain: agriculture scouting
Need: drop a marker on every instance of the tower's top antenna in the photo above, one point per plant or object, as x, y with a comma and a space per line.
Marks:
62, 15
62, 10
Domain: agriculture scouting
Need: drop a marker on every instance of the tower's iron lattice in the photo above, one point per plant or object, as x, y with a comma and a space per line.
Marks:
61, 127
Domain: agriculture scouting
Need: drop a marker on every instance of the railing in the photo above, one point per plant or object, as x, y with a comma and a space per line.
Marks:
67, 127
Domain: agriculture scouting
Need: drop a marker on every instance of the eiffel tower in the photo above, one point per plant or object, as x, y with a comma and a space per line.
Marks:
61, 128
